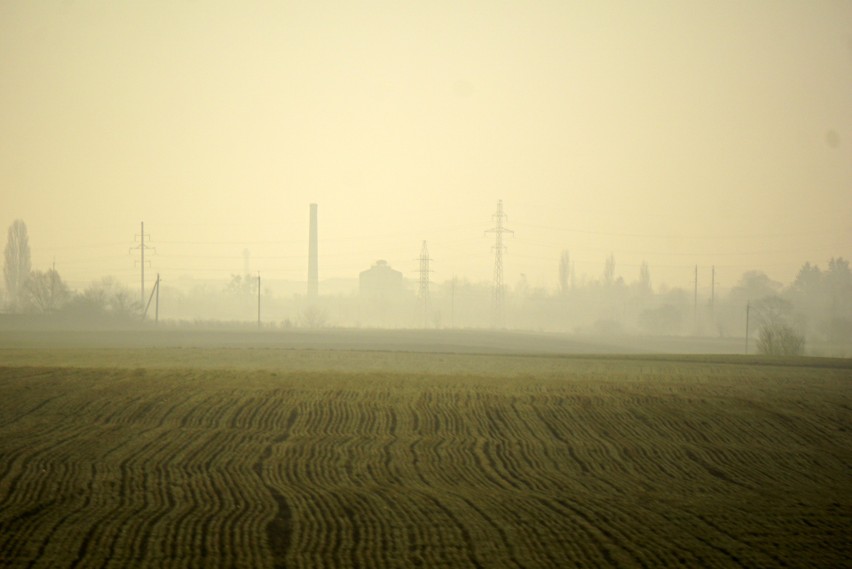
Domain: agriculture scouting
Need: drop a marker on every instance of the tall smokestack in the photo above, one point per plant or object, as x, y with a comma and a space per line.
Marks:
313, 275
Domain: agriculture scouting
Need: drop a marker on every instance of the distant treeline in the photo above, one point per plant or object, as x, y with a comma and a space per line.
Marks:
815, 310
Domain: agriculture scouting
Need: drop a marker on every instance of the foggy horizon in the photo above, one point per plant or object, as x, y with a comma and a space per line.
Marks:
677, 135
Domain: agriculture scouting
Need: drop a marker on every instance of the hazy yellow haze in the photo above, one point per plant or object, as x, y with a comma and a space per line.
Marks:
681, 133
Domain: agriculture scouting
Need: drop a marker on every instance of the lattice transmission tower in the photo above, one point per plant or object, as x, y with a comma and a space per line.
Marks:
142, 247
499, 288
424, 282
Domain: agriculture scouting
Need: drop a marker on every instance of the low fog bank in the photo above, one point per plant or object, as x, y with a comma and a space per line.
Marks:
403, 340
810, 316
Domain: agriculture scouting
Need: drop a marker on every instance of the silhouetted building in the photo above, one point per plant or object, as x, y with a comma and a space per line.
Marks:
381, 281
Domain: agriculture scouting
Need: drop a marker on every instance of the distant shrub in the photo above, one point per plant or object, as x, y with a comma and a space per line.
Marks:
777, 339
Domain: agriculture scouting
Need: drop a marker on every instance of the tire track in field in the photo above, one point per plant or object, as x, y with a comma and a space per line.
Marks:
279, 529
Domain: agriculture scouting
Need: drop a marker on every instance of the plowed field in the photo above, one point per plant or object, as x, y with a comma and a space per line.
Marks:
544, 462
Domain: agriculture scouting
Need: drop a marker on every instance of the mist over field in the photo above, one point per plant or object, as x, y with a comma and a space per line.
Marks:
812, 315
605, 169
445, 284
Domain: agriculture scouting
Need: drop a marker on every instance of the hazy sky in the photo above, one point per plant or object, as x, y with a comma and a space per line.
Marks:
681, 133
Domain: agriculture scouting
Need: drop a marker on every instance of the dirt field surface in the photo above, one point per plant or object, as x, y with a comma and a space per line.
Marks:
270, 457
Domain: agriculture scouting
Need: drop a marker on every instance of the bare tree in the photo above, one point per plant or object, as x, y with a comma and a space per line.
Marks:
564, 271
644, 278
313, 317
242, 285
105, 300
776, 336
46, 291
779, 339
16, 268
609, 270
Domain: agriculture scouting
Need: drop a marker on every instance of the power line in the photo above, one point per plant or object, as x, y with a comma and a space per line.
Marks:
678, 235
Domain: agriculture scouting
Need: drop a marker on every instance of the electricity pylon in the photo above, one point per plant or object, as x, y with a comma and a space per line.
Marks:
424, 282
499, 288
142, 248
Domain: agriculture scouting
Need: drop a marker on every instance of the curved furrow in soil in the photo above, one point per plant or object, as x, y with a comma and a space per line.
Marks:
435, 536
748, 464
215, 458
79, 448
448, 461
144, 499
187, 498
327, 419
31, 532
651, 463
540, 455
338, 524
391, 451
147, 493
611, 443
517, 451
92, 548
304, 456
489, 536
472, 538
598, 439
641, 521
206, 412
204, 488
557, 433
61, 540
619, 546
579, 542
485, 475
133, 544
560, 450
446, 536
36, 459
22, 408
517, 525
629, 530
706, 543
317, 530
403, 532
273, 415
487, 432
440, 472
545, 530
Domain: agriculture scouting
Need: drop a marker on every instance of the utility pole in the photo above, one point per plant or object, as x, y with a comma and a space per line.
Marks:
258, 299
748, 305
424, 282
695, 300
142, 248
713, 291
52, 286
155, 290
157, 306
499, 292
453, 303
313, 263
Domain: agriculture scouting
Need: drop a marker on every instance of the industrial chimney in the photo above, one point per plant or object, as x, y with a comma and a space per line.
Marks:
313, 276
